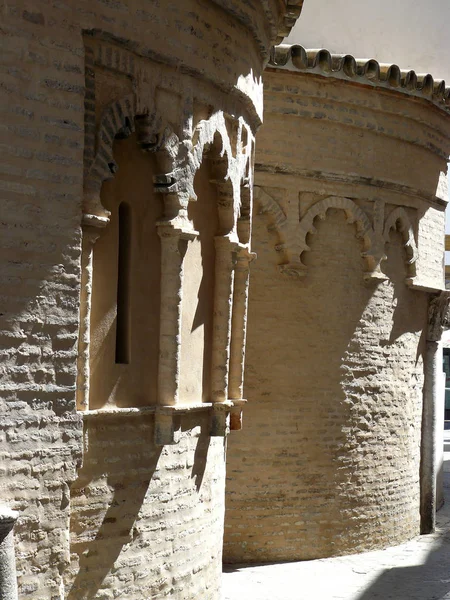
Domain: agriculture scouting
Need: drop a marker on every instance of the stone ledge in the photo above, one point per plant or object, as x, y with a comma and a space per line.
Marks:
225, 416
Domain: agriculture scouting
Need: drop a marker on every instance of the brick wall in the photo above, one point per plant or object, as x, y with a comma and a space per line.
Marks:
42, 89
147, 521
348, 228
328, 460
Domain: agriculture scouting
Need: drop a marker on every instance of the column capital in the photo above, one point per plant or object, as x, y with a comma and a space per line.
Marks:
226, 242
8, 518
244, 255
438, 316
176, 228
89, 220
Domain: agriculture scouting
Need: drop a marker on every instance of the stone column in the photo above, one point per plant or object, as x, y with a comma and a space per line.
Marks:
91, 231
239, 323
438, 318
8, 577
223, 302
173, 249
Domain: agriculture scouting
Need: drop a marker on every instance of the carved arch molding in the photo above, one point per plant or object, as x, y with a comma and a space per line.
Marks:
292, 240
128, 94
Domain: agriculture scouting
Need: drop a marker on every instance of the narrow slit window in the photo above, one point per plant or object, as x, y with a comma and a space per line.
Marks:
123, 286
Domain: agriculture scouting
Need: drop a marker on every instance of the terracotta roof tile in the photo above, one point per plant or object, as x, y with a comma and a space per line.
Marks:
367, 71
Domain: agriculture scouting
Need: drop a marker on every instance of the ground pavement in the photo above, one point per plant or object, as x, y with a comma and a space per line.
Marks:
417, 570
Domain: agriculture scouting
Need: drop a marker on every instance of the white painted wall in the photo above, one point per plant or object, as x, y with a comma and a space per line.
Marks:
414, 34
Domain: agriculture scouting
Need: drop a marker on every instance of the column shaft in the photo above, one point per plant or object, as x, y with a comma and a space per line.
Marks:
223, 302
239, 325
90, 236
8, 577
428, 451
172, 255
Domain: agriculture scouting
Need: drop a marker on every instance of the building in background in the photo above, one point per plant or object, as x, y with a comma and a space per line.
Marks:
347, 302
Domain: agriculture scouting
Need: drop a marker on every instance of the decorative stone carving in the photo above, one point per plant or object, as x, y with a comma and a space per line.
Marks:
267, 204
355, 215
293, 10
278, 222
117, 121
292, 241
438, 316
228, 145
398, 219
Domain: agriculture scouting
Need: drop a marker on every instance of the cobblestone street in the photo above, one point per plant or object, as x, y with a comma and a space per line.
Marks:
416, 570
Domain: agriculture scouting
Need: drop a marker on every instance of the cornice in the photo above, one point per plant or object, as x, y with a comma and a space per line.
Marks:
276, 19
293, 11
352, 179
365, 71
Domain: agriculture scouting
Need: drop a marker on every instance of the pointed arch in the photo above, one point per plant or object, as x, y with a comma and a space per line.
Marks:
398, 219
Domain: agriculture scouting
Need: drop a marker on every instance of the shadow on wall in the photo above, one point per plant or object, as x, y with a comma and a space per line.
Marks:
198, 295
410, 312
298, 332
123, 506
332, 367
382, 378
428, 581
41, 434
108, 496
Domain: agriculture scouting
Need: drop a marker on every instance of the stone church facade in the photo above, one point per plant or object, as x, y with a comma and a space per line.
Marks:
129, 196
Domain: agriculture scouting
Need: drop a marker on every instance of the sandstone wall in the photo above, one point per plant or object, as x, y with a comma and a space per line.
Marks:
51, 109
348, 229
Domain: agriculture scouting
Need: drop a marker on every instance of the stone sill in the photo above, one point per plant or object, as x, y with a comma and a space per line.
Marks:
144, 410
225, 416
424, 286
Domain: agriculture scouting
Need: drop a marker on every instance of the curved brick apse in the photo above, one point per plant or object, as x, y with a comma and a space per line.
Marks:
128, 144
348, 230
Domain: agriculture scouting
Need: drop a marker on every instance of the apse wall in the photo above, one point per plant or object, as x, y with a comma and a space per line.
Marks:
112, 440
348, 230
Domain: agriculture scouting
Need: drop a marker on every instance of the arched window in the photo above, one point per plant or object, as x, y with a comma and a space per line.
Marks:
125, 313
